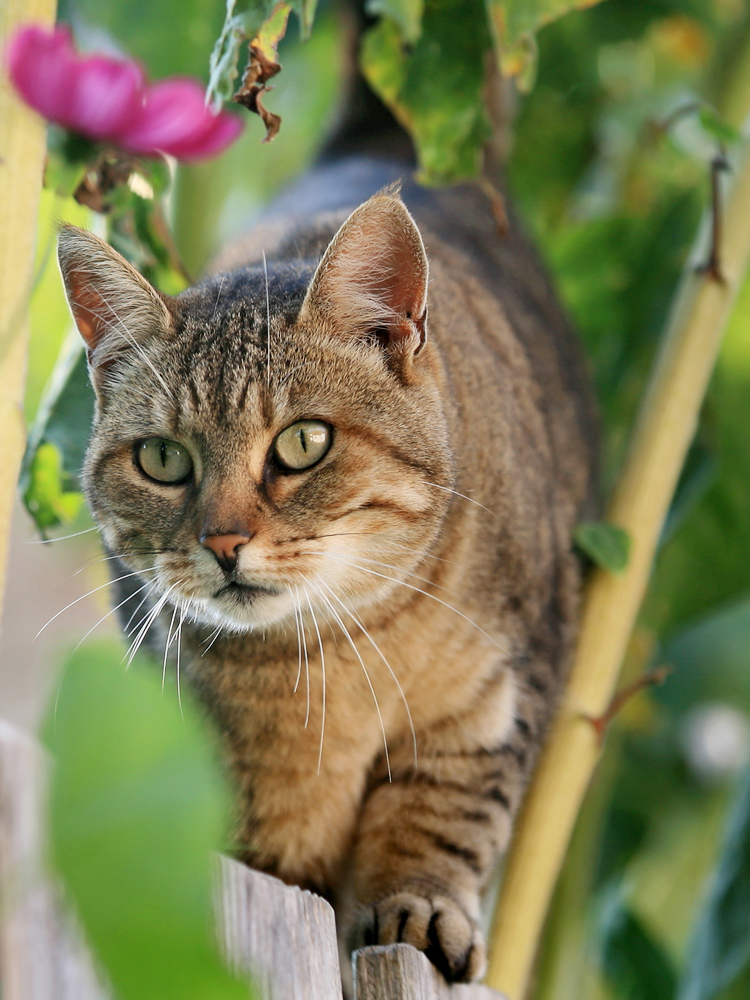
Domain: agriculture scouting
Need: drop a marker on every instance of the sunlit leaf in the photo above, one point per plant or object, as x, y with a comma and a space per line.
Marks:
407, 14
435, 88
137, 805
244, 22
46, 497
57, 442
514, 26
605, 544
720, 950
273, 30
717, 127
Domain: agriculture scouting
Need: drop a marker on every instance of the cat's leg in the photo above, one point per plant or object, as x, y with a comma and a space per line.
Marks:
429, 839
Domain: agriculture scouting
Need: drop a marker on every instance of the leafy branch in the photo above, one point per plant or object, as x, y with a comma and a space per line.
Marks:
639, 505
426, 59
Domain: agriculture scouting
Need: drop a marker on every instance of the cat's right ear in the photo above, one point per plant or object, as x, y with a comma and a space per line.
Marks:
372, 280
115, 309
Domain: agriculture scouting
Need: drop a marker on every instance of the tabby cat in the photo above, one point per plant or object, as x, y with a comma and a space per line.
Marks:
346, 466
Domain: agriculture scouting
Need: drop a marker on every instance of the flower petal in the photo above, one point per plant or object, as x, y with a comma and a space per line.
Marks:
173, 112
107, 99
41, 64
223, 131
106, 96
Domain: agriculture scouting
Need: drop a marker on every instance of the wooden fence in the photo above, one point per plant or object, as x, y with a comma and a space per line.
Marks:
286, 936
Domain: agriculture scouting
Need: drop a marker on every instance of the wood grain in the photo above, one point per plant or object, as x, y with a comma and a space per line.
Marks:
41, 955
281, 937
400, 972
284, 936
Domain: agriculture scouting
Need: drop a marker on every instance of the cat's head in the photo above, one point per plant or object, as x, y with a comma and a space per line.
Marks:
274, 436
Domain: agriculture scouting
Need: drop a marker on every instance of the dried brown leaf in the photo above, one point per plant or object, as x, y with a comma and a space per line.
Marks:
260, 69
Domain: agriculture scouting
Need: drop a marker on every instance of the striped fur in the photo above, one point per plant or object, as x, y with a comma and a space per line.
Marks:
426, 561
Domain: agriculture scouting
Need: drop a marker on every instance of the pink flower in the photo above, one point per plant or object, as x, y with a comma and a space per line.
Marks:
108, 99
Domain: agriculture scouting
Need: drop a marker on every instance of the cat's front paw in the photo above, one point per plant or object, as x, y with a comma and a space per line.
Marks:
436, 925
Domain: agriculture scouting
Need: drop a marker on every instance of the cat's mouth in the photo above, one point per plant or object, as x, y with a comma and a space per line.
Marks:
244, 593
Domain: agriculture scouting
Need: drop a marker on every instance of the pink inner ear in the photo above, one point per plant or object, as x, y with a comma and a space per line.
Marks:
88, 308
374, 274
395, 272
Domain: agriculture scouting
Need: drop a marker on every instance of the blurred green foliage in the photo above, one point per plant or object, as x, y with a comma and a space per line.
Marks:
613, 199
138, 802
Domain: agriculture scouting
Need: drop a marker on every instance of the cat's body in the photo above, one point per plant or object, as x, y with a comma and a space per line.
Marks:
424, 560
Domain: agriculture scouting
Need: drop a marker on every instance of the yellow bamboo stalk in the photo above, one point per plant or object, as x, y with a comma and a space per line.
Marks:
665, 427
22, 145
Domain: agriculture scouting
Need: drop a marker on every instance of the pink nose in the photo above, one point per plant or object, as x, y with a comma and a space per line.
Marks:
225, 548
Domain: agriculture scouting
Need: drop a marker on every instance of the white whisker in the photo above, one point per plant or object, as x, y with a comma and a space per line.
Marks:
103, 557
463, 496
307, 662
138, 608
213, 637
377, 648
128, 336
295, 369
424, 579
409, 548
218, 296
179, 638
367, 676
268, 321
62, 538
112, 611
418, 590
299, 647
148, 621
167, 644
323, 674
83, 597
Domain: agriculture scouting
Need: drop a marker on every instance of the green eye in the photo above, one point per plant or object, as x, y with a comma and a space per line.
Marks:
303, 444
162, 460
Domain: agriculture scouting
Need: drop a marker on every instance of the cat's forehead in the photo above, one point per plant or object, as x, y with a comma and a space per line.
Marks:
228, 369
232, 326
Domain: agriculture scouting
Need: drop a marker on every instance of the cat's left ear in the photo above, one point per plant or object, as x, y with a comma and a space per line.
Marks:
115, 309
372, 280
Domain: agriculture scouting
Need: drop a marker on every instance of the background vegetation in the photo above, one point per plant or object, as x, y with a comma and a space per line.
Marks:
613, 199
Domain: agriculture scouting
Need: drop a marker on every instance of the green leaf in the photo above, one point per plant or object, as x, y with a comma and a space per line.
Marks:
605, 544
720, 950
514, 25
137, 805
243, 25
634, 964
407, 14
68, 157
166, 36
710, 658
55, 451
46, 496
719, 129
435, 88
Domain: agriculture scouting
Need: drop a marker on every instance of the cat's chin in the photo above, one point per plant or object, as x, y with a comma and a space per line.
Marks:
242, 608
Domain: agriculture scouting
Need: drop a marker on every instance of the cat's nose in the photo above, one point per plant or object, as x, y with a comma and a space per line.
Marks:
226, 548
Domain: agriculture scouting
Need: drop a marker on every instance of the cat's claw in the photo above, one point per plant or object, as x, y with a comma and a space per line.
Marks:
436, 925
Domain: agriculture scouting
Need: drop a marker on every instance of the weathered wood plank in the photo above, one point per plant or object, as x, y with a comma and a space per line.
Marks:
284, 936
41, 957
400, 972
